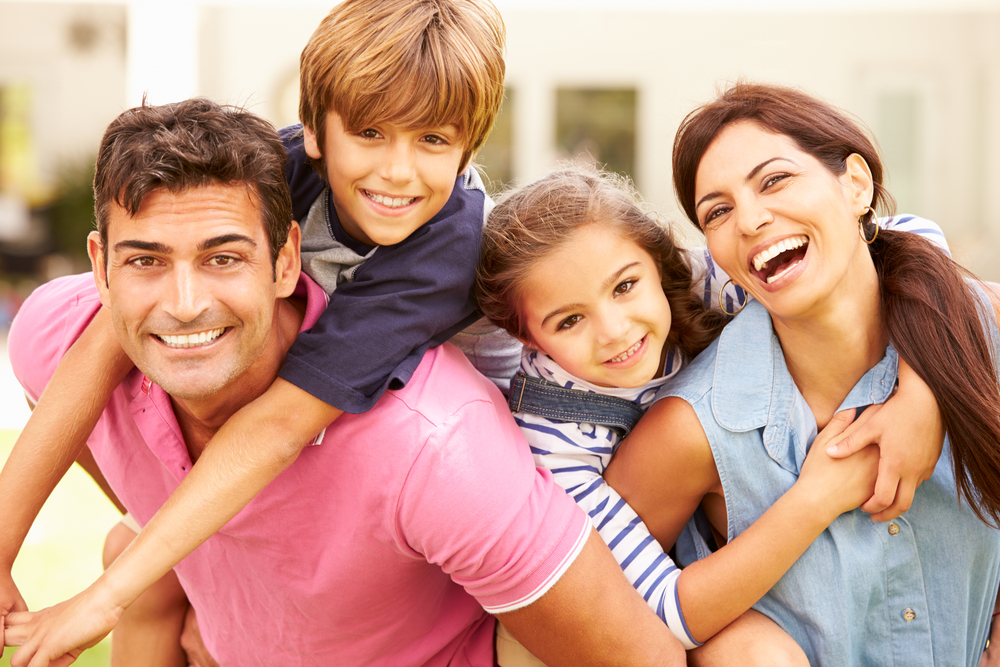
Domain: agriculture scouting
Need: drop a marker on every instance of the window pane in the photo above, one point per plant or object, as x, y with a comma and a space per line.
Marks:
597, 125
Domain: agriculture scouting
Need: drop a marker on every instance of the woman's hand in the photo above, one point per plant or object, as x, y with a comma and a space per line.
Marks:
838, 485
57, 635
909, 433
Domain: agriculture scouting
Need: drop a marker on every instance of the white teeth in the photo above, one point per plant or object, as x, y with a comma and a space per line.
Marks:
763, 257
192, 340
391, 202
627, 353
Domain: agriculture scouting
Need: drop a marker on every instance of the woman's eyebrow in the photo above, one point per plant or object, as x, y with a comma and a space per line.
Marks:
753, 172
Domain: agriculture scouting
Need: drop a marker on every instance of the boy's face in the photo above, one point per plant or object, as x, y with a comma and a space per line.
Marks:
387, 180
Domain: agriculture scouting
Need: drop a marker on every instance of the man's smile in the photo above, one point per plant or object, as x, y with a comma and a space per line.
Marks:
190, 340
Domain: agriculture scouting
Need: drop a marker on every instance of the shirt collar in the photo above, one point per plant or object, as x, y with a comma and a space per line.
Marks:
752, 388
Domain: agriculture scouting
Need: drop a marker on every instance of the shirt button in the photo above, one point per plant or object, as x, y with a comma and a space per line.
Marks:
909, 615
893, 529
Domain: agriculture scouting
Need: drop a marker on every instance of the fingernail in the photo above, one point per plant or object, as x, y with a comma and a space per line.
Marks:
831, 450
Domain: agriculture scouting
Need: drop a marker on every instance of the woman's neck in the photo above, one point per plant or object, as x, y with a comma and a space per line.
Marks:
831, 348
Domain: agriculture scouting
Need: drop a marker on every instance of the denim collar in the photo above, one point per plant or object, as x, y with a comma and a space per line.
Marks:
753, 389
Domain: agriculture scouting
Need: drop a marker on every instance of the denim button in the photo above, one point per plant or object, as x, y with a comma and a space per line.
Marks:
893, 529
909, 615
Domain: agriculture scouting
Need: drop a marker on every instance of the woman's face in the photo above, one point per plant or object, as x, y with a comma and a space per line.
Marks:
782, 225
596, 306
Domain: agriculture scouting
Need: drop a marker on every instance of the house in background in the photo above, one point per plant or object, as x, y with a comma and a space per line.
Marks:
609, 81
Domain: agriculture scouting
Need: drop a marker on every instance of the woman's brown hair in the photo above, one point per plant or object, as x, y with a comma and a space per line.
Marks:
531, 222
928, 309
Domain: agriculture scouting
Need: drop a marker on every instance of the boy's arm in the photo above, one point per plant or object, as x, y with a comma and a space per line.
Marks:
249, 451
53, 438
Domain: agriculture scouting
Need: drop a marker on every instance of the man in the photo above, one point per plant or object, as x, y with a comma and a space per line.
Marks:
382, 549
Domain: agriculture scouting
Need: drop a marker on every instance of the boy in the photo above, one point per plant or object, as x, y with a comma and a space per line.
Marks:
396, 98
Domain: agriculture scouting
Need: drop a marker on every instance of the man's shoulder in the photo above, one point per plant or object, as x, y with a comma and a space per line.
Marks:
446, 385
48, 322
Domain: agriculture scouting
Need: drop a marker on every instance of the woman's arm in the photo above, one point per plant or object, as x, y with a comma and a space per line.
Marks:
719, 588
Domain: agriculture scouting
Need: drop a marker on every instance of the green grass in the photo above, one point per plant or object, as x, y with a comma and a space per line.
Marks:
62, 554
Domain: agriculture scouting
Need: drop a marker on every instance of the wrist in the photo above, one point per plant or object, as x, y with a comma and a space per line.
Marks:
816, 509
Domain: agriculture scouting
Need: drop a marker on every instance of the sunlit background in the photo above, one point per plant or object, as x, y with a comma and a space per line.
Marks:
606, 80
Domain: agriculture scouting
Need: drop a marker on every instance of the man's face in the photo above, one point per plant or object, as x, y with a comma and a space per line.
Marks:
191, 287
387, 180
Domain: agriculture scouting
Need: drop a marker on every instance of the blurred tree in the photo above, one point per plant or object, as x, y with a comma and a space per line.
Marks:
71, 210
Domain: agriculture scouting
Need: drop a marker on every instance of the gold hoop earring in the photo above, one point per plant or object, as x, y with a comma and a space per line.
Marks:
861, 225
722, 307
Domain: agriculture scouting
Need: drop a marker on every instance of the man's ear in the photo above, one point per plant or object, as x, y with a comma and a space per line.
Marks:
289, 263
859, 181
99, 266
310, 143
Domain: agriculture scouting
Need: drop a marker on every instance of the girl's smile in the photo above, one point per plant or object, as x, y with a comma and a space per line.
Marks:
596, 306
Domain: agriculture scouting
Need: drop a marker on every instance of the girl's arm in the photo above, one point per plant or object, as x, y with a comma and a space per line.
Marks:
909, 433
577, 455
716, 590
249, 451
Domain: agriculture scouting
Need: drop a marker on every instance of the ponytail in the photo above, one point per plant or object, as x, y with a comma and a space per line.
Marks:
933, 321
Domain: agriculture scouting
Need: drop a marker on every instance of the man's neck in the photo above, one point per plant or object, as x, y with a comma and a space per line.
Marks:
200, 419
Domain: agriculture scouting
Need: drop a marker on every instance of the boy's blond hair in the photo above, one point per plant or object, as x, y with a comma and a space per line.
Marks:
415, 63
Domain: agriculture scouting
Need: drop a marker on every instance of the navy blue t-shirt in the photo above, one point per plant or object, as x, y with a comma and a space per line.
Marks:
404, 298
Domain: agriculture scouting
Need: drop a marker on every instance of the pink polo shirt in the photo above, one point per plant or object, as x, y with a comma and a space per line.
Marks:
381, 546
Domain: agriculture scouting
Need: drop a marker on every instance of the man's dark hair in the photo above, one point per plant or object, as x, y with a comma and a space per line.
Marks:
190, 144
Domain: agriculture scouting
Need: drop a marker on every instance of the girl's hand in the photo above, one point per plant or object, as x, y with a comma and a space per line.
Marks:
56, 636
909, 433
836, 486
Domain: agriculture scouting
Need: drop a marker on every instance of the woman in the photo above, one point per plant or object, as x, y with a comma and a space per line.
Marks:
781, 183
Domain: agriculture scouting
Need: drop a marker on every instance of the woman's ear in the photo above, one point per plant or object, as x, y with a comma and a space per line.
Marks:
858, 179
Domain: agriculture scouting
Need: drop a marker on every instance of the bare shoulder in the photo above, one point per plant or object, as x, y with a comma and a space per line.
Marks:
670, 433
665, 468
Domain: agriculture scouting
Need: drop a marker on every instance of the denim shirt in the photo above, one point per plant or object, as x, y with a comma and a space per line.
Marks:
917, 591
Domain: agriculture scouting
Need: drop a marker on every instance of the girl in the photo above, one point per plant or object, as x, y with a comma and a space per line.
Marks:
609, 309
785, 188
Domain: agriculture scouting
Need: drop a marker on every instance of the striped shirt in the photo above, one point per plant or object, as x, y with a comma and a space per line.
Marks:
577, 454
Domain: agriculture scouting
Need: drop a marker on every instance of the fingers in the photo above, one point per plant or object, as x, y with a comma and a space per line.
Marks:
902, 503
834, 430
885, 487
856, 436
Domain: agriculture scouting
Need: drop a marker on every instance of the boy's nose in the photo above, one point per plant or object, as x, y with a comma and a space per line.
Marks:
399, 165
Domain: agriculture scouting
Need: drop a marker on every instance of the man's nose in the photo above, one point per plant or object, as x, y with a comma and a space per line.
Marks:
187, 297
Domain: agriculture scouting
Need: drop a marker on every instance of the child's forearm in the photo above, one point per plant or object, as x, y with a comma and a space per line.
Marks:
716, 590
246, 454
58, 429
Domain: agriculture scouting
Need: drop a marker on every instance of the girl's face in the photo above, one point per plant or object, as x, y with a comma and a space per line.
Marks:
595, 305
782, 225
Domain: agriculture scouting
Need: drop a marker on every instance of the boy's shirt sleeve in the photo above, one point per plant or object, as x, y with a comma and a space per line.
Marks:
402, 300
304, 182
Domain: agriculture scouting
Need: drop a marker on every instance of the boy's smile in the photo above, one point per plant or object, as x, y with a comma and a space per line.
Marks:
387, 180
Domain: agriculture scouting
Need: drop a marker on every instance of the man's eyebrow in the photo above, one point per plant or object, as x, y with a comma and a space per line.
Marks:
216, 241
753, 172
146, 246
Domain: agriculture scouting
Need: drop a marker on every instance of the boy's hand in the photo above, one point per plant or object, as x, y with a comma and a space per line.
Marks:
909, 433
56, 636
10, 601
